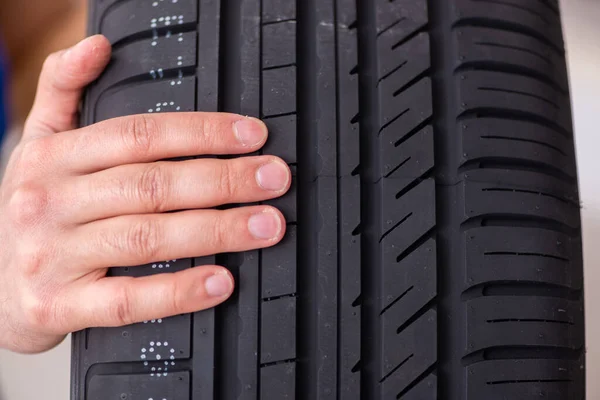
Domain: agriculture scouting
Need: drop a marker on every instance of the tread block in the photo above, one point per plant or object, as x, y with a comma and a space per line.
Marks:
520, 193
143, 341
526, 379
350, 288
141, 59
279, 267
279, 88
494, 321
278, 10
497, 138
400, 65
532, 17
523, 254
516, 94
407, 354
348, 124
412, 213
406, 111
282, 138
406, 16
288, 203
176, 385
278, 327
278, 381
129, 18
497, 48
148, 97
279, 44
410, 159
409, 284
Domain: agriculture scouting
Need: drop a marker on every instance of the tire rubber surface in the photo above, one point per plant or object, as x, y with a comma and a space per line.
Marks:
434, 238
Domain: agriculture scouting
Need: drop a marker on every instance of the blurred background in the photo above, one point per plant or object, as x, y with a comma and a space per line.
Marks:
55, 24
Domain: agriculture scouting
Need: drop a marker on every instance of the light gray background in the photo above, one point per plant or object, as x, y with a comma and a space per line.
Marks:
46, 376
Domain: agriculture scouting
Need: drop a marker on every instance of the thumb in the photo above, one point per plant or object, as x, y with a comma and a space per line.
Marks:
64, 76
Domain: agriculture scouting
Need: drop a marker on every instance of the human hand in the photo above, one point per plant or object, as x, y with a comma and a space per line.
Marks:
75, 202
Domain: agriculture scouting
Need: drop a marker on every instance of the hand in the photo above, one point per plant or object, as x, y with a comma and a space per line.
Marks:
75, 202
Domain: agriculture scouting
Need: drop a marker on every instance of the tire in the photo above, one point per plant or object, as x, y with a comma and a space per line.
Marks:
434, 245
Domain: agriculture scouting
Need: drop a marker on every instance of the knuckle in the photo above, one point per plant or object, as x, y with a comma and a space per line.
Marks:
138, 133
179, 304
209, 132
143, 239
153, 187
221, 235
226, 181
38, 309
28, 205
121, 308
36, 153
32, 264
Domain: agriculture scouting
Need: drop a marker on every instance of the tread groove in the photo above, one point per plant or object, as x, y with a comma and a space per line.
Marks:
509, 163
543, 194
516, 139
520, 288
513, 69
370, 198
517, 220
507, 253
550, 321
508, 4
533, 96
521, 353
515, 116
509, 26
517, 48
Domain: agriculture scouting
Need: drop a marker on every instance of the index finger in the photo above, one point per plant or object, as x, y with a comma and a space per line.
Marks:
153, 137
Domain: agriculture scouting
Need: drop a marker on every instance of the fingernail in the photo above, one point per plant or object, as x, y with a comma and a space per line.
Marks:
273, 176
250, 132
218, 285
266, 225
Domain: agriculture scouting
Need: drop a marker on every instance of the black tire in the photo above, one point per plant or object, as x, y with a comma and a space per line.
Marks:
434, 246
